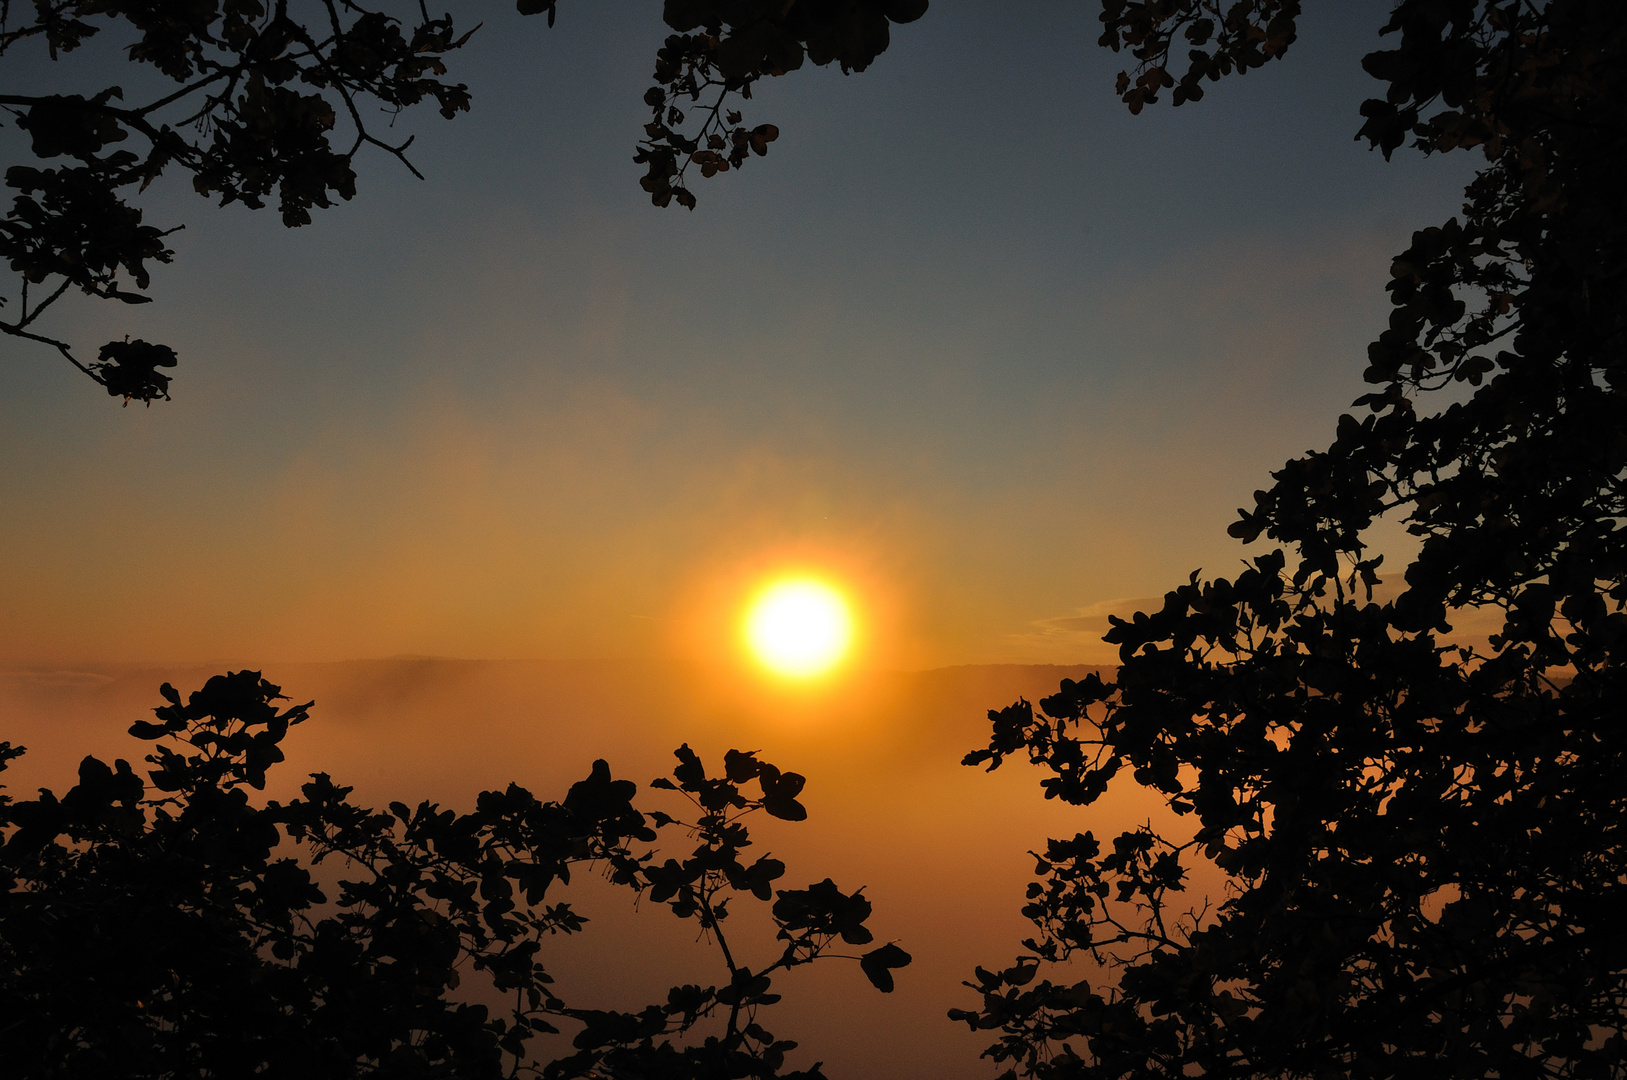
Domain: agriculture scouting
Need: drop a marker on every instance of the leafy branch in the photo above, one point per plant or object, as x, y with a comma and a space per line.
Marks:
162, 924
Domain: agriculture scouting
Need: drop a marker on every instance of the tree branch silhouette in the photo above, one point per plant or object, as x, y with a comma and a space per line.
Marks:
152, 930
258, 108
1420, 837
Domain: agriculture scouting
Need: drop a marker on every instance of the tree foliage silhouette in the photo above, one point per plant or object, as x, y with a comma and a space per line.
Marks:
185, 929
259, 102
1421, 839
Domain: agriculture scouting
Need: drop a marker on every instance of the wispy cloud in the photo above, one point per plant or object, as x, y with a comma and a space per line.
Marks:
1076, 637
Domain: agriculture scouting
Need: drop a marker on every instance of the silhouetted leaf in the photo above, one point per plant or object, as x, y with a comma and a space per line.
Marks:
877, 965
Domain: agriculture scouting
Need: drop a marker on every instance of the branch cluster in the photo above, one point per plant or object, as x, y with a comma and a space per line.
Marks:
1422, 837
159, 931
259, 103
722, 49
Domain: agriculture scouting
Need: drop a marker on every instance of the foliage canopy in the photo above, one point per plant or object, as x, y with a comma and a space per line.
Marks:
1422, 837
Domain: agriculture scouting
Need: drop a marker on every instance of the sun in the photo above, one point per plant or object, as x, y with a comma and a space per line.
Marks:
799, 627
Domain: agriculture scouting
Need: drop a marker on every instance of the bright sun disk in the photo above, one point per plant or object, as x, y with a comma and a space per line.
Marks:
799, 627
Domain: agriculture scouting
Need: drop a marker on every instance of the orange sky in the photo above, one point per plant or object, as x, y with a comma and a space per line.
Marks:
996, 356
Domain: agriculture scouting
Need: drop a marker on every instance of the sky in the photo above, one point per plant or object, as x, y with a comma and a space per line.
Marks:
972, 340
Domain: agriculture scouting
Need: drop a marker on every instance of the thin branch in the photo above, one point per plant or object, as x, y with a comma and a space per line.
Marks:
60, 346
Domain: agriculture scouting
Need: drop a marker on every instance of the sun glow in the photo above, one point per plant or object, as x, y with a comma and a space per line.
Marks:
799, 627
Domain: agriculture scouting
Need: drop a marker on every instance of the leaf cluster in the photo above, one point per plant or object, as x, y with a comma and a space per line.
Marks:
701, 887
179, 928
1422, 837
1220, 39
258, 103
723, 48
